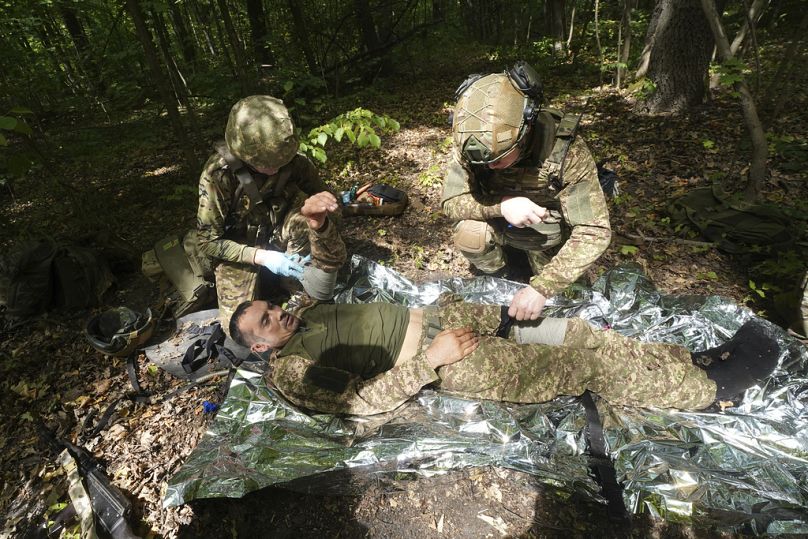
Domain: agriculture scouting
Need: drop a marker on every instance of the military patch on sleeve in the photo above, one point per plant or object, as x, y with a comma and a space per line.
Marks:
328, 378
577, 203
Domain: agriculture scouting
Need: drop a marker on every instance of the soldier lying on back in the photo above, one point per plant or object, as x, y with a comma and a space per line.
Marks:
370, 358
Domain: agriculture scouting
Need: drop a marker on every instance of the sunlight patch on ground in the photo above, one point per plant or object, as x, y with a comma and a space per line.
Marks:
161, 171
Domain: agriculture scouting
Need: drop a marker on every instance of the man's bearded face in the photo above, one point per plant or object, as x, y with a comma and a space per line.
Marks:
267, 326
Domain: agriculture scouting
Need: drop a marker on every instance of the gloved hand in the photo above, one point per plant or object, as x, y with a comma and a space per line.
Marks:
281, 263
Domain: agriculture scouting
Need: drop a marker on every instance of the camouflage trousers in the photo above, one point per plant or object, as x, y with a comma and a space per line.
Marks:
481, 242
237, 283
621, 370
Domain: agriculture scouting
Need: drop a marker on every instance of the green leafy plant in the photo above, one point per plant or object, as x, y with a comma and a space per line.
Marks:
643, 88
359, 126
629, 250
18, 162
729, 72
430, 177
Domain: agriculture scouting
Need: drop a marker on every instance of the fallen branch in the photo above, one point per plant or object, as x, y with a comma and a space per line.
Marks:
648, 239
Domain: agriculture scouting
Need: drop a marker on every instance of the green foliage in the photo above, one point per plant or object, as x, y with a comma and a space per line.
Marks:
707, 276
643, 88
431, 177
629, 250
791, 151
759, 291
358, 126
15, 162
729, 72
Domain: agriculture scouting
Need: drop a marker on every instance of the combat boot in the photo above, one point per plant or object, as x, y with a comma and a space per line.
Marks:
740, 363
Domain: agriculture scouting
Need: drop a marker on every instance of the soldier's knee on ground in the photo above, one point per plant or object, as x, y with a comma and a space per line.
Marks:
477, 241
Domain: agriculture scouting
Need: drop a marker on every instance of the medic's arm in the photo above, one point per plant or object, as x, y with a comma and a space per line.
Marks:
216, 189
461, 197
584, 208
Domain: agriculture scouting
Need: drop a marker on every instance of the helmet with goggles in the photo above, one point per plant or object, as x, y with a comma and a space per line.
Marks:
119, 331
494, 113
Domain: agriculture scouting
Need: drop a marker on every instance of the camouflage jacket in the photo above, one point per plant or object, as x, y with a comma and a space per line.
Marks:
222, 220
476, 195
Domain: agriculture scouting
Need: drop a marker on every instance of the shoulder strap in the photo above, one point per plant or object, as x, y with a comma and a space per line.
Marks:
242, 173
552, 170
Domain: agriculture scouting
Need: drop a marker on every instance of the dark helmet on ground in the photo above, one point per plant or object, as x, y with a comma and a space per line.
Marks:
119, 331
260, 132
494, 113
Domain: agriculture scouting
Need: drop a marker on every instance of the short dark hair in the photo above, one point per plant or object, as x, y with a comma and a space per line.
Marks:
235, 331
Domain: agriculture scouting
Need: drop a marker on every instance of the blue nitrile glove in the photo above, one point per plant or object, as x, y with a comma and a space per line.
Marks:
281, 263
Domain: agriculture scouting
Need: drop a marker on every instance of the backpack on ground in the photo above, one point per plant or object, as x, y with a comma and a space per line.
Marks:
46, 275
736, 226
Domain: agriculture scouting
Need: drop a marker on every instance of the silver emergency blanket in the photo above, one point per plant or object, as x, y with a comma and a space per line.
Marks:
745, 466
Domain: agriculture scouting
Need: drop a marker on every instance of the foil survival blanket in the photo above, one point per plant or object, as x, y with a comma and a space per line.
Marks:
747, 465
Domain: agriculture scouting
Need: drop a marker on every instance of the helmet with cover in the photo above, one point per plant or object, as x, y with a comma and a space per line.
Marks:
494, 113
119, 331
260, 132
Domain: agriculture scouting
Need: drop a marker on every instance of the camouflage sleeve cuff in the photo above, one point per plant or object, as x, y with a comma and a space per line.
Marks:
415, 373
327, 248
544, 288
248, 255
469, 207
491, 212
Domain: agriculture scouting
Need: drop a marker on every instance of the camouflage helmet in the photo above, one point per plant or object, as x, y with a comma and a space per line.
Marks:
119, 331
260, 132
491, 117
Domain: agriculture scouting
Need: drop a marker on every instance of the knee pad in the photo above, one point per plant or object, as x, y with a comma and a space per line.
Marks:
473, 237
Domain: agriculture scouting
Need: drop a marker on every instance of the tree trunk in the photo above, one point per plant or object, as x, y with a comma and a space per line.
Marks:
82, 46
556, 23
753, 15
301, 34
204, 20
650, 39
178, 82
782, 84
370, 38
238, 53
625, 46
680, 53
597, 40
186, 42
757, 167
258, 33
145, 38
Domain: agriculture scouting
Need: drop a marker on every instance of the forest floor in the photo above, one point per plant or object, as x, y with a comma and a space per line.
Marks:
124, 179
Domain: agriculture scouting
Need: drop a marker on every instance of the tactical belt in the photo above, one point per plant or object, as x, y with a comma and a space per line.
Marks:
600, 463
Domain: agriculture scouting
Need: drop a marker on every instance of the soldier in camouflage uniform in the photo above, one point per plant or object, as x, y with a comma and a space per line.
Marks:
519, 177
370, 358
239, 234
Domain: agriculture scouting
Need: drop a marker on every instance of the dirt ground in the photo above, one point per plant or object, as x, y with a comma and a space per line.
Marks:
50, 374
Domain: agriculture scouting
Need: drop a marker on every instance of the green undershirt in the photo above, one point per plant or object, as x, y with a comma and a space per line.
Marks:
362, 339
